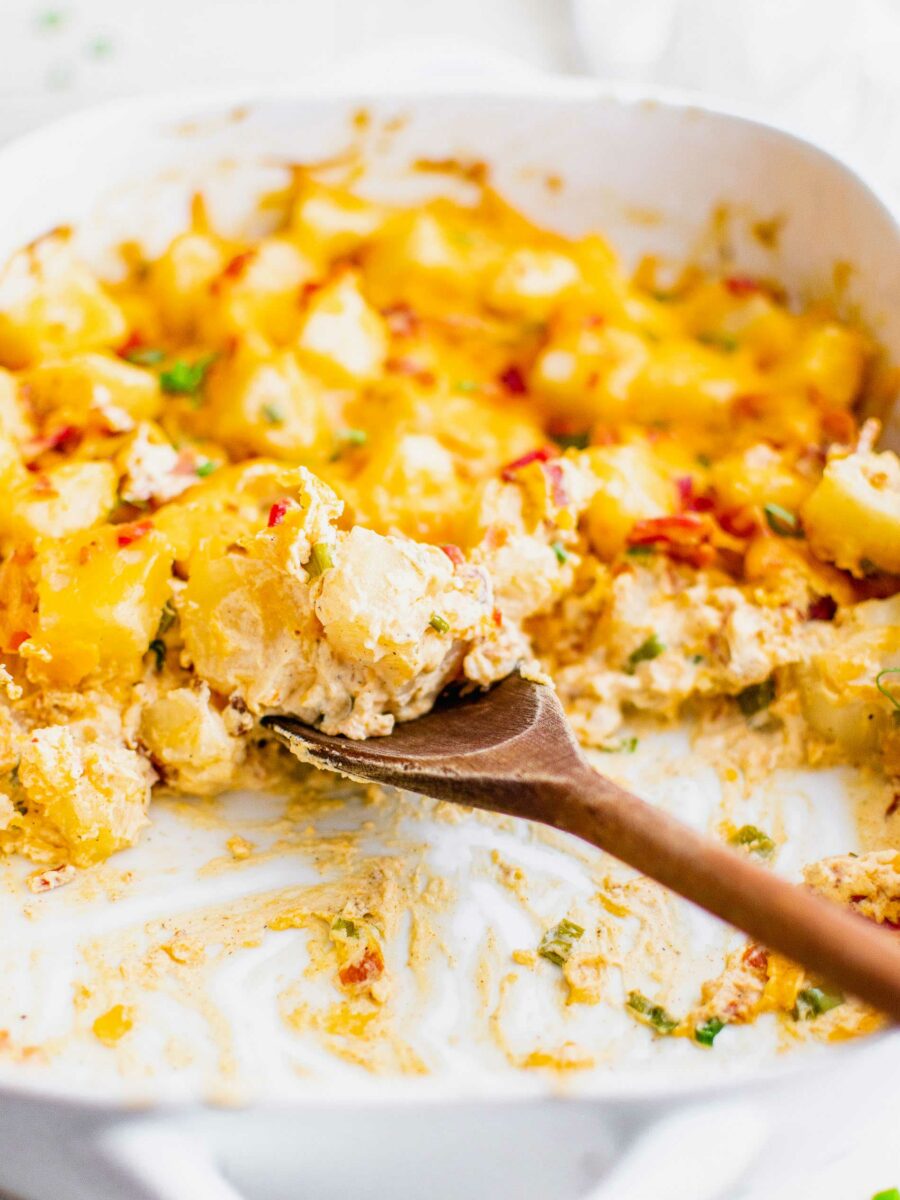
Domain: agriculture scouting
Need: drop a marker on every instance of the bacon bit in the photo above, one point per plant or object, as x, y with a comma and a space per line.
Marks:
497, 617
133, 533
63, 440
741, 522
823, 608
278, 511
134, 341
559, 493
688, 499
684, 538
594, 321
411, 369
47, 881
454, 553
186, 464
236, 267
400, 320
513, 381
541, 455
838, 425
369, 968
742, 285
749, 407
17, 638
756, 957
43, 486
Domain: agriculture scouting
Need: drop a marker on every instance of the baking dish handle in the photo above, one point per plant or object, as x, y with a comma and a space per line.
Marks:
698, 1153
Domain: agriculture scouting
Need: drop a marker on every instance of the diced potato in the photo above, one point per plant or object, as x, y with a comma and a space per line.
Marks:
430, 257
95, 795
831, 361
262, 401
231, 503
378, 602
838, 687
342, 335
531, 283
631, 487
259, 291
330, 222
411, 482
181, 279
100, 595
62, 500
93, 387
589, 369
50, 303
15, 424
852, 517
686, 383
243, 621
756, 476
189, 742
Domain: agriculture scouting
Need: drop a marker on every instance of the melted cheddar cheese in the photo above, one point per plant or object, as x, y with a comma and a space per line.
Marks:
333, 469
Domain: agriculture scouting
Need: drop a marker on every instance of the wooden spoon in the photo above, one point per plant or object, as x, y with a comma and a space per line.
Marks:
510, 750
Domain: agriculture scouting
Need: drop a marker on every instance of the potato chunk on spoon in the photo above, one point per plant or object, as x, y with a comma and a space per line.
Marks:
510, 750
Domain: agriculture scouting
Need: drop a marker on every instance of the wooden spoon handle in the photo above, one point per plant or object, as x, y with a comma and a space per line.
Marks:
843, 947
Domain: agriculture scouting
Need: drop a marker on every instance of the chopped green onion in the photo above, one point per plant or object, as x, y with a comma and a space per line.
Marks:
51, 19
721, 341
885, 691
319, 560
706, 1033
273, 414
640, 551
813, 1002
869, 568
756, 697
754, 840
890, 1194
349, 438
562, 554
167, 620
206, 468
158, 647
345, 926
654, 1014
145, 356
703, 460
572, 441
184, 378
696, 659
651, 648
625, 746
439, 623
664, 297
465, 385
557, 943
782, 521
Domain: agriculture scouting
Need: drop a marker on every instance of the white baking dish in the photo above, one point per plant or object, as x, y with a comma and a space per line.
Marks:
273, 1114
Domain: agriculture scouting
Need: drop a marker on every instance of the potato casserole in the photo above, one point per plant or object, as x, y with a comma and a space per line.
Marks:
330, 470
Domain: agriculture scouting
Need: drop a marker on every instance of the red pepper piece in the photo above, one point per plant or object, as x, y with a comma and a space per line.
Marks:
278, 511
541, 455
513, 381
133, 533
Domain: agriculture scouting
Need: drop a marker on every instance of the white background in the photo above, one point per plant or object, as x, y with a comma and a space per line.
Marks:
825, 68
